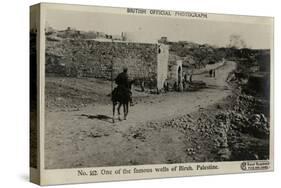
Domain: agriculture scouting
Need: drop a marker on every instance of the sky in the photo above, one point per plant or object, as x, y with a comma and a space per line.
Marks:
150, 29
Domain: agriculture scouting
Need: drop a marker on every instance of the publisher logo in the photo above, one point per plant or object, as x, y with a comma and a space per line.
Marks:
243, 166
254, 165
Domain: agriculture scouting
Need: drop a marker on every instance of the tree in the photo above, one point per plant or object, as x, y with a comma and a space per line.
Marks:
200, 55
236, 42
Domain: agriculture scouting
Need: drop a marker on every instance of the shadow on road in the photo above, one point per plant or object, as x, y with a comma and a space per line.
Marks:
99, 117
216, 87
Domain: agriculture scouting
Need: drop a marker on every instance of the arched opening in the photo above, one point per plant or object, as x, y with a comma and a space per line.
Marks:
159, 50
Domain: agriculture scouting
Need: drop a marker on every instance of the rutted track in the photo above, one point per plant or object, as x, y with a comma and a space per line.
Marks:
87, 137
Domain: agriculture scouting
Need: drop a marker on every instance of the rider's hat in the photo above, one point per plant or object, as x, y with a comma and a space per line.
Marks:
125, 69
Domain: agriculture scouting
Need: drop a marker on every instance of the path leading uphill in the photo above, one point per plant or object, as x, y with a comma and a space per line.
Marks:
87, 137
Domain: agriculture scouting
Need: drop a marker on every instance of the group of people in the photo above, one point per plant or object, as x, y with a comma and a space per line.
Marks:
179, 85
124, 85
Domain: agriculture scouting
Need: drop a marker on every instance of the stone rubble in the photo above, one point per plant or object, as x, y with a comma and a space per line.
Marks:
226, 125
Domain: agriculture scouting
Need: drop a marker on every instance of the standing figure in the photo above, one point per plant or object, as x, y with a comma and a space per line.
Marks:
211, 72
190, 78
142, 85
184, 76
166, 86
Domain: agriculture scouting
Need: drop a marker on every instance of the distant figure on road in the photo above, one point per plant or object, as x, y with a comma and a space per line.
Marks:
211, 72
214, 73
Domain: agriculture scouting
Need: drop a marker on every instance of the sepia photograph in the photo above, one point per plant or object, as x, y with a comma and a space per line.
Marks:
133, 90
140, 93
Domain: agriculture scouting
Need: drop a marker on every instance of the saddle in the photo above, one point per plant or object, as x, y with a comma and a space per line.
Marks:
121, 94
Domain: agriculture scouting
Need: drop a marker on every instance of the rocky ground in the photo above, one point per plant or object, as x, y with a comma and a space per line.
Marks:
217, 123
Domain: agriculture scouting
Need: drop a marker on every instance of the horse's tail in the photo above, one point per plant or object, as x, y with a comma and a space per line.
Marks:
114, 95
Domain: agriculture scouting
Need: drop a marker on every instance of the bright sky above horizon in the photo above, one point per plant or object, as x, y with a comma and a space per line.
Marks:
150, 29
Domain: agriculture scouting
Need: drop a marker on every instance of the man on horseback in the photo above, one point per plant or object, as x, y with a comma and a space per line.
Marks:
122, 93
122, 80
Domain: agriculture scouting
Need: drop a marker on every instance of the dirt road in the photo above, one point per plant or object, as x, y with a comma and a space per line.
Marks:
88, 138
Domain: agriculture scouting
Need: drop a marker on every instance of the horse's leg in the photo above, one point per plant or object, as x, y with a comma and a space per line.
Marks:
118, 109
113, 118
125, 110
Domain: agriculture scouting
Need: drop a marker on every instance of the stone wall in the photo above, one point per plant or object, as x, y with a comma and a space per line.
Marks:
90, 58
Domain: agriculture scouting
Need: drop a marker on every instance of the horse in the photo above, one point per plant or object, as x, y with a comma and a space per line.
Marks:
121, 96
